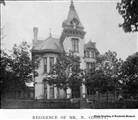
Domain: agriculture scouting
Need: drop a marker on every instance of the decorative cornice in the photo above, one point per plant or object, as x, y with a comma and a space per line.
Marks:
46, 51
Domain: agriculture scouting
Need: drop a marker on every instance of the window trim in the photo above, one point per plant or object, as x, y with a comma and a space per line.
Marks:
75, 44
45, 64
89, 53
50, 65
90, 65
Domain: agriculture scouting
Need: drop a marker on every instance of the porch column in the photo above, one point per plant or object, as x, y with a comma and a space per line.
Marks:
55, 93
48, 91
68, 93
83, 90
83, 87
48, 86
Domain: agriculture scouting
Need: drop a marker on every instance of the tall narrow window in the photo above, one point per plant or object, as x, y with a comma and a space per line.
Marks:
90, 65
75, 44
87, 53
92, 54
51, 62
93, 66
45, 65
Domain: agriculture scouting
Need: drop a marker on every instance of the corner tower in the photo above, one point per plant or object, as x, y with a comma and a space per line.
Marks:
72, 37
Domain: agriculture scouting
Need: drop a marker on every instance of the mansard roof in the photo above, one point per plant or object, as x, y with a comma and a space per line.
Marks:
72, 14
91, 45
49, 45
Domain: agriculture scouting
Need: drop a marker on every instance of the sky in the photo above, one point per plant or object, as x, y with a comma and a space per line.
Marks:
99, 18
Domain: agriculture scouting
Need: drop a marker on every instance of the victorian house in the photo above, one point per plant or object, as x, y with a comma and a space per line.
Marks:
72, 39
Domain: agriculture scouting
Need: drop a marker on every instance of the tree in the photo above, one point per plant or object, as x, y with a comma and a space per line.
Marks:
17, 68
110, 64
2, 2
22, 64
128, 9
106, 76
130, 76
6, 75
2, 35
100, 82
66, 72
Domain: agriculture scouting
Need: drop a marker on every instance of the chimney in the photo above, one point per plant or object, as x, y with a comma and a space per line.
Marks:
35, 30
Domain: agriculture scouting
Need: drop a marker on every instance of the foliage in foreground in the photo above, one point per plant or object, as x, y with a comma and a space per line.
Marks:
130, 76
66, 72
128, 9
105, 77
16, 68
110, 74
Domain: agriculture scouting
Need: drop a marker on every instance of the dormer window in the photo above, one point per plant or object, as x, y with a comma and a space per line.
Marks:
89, 54
74, 22
75, 44
92, 54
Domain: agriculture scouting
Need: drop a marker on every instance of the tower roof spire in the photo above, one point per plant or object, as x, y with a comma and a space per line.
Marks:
72, 15
72, 5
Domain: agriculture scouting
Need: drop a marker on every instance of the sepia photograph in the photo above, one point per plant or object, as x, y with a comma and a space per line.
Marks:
69, 54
